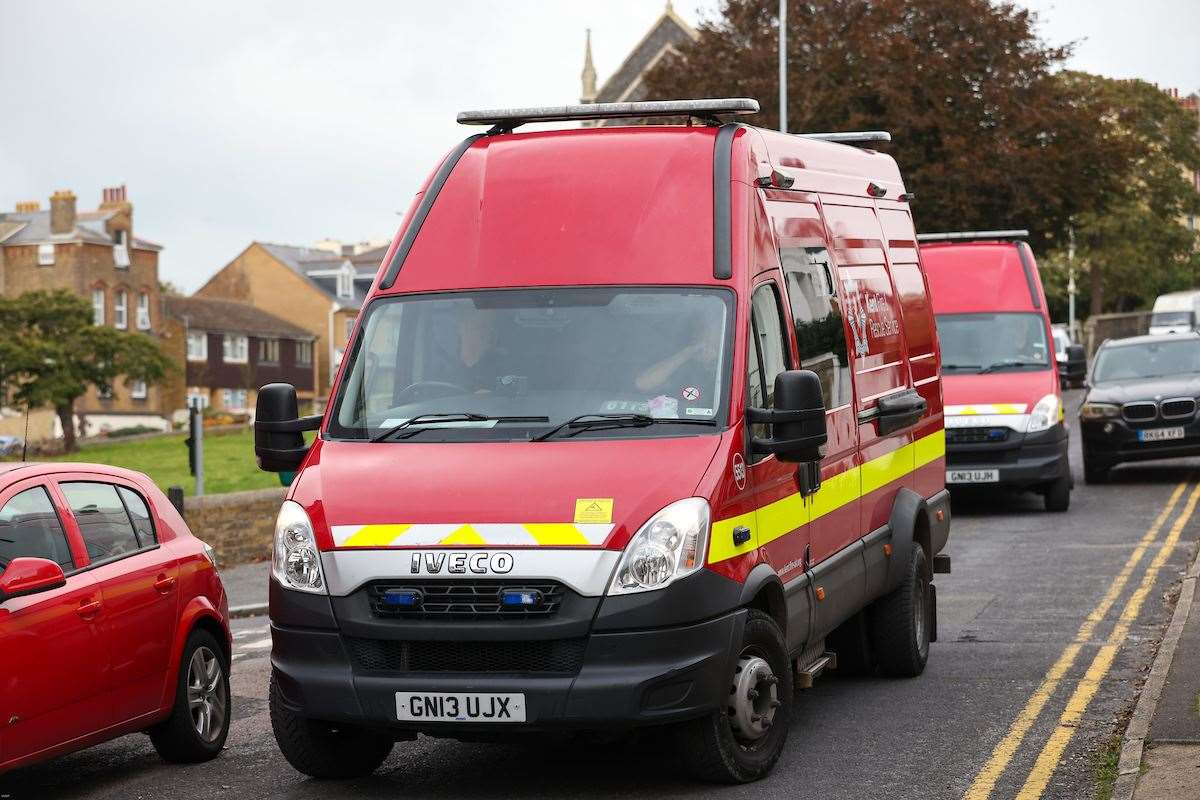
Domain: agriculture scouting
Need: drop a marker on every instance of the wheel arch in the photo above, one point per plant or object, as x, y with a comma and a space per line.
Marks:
763, 590
910, 524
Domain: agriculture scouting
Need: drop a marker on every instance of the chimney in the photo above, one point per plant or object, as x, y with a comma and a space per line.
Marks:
62, 211
28, 206
120, 224
114, 197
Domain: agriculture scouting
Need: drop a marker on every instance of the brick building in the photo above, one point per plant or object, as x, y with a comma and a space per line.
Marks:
229, 349
96, 255
318, 289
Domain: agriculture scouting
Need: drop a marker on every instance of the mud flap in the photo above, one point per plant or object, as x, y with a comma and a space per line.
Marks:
932, 613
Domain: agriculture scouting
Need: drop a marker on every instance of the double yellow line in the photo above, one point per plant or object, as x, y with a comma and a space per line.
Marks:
1039, 776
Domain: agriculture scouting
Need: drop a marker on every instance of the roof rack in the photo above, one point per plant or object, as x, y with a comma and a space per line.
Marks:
972, 236
505, 119
850, 137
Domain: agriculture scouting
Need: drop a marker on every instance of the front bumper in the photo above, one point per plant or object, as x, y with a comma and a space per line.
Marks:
332, 662
1022, 460
1114, 441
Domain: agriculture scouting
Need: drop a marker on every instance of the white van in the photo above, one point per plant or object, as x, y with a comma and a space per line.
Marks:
1176, 312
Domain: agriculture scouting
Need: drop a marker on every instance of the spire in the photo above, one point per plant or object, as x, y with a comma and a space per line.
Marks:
589, 72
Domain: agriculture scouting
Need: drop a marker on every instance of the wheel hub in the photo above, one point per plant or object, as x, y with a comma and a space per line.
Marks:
753, 698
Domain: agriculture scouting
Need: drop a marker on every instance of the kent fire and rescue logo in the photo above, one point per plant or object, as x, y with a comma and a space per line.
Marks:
870, 316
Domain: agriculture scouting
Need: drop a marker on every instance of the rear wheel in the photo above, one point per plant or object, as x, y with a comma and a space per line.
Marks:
901, 622
742, 741
1058, 494
323, 749
199, 721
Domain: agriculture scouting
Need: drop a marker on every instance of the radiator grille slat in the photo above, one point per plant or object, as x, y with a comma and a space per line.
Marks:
464, 600
561, 656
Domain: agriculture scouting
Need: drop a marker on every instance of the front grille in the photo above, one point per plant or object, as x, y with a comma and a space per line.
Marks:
1141, 411
562, 656
1178, 408
464, 600
976, 435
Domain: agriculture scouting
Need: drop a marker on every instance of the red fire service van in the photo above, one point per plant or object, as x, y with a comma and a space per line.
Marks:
639, 426
1004, 410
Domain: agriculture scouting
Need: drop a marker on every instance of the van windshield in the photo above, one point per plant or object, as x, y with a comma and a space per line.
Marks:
551, 354
1002, 342
1171, 318
1149, 360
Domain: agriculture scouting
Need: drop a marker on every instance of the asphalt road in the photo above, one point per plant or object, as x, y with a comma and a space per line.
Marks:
1010, 617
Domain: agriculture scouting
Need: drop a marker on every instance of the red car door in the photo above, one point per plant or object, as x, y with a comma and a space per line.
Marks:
53, 659
140, 584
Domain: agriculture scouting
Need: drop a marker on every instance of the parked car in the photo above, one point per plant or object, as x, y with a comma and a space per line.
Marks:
11, 445
113, 618
1004, 411
1141, 402
641, 474
1176, 312
1071, 358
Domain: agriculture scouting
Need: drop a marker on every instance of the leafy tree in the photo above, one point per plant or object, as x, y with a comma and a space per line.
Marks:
51, 353
987, 134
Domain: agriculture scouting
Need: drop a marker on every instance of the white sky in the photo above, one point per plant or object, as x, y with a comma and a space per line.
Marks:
292, 121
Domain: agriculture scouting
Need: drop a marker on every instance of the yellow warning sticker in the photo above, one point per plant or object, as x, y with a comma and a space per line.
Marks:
593, 510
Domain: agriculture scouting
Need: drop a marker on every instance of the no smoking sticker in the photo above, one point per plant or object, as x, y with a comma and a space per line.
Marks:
691, 393
593, 510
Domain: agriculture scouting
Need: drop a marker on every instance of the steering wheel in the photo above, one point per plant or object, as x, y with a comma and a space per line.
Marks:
416, 389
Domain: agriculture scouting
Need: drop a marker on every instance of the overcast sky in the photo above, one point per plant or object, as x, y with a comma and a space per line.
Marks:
294, 121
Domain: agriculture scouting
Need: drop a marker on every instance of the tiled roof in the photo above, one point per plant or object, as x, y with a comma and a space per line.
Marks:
306, 261
230, 316
625, 84
89, 227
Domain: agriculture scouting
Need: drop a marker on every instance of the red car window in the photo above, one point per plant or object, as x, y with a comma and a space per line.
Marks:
30, 528
103, 522
139, 512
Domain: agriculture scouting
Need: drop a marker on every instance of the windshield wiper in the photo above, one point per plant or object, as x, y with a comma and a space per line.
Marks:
593, 421
1011, 363
453, 416
962, 366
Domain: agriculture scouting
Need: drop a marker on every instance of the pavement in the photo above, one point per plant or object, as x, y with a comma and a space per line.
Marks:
246, 586
1048, 628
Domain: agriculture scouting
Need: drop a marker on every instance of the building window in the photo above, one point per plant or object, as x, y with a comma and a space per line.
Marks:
197, 397
349, 329
303, 353
138, 390
104, 393
97, 306
235, 348
45, 255
121, 309
345, 282
120, 250
197, 346
233, 399
268, 351
143, 311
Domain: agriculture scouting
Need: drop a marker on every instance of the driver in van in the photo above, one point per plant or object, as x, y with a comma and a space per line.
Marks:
689, 369
481, 363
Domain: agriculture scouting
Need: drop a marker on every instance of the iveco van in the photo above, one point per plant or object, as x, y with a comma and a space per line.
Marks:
639, 427
1003, 391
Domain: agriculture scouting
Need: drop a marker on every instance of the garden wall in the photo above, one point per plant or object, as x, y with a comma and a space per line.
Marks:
239, 525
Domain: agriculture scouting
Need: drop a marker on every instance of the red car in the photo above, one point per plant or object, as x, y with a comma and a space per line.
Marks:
113, 618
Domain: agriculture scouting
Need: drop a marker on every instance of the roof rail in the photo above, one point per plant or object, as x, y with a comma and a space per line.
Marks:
850, 137
505, 119
972, 236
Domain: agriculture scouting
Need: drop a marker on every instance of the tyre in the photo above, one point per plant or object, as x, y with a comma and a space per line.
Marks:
742, 741
1094, 471
1058, 494
901, 621
199, 721
851, 642
323, 749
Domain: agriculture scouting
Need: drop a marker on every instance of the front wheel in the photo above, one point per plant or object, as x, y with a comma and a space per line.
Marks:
199, 721
1058, 494
901, 621
323, 749
742, 741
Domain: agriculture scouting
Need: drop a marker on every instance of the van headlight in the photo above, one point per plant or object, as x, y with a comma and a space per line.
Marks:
671, 545
1046, 413
297, 562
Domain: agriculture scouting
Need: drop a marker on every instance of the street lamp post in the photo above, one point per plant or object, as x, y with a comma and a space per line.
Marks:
1071, 280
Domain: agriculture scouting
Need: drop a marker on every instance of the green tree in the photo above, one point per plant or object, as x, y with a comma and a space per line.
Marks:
987, 134
51, 353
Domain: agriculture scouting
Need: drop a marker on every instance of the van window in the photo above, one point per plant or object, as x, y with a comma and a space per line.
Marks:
556, 353
768, 355
817, 315
1003, 342
30, 528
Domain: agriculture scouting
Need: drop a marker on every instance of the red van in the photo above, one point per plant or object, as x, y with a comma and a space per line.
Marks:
639, 427
1004, 410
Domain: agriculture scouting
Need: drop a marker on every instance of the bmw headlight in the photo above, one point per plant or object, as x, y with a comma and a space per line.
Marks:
297, 562
1046, 413
1099, 411
671, 545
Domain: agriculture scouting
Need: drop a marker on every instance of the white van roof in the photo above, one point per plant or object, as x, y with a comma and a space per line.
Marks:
1177, 301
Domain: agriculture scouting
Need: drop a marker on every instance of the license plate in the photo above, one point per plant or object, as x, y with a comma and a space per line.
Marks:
459, 707
972, 476
1160, 434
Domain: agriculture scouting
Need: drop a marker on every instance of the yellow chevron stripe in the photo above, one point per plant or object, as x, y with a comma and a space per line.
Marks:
555, 533
375, 535
464, 534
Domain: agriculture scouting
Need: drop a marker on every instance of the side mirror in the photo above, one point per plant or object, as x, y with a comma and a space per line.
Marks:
798, 419
1076, 362
279, 429
25, 576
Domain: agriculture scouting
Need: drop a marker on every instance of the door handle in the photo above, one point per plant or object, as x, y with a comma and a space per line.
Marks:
88, 609
164, 584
